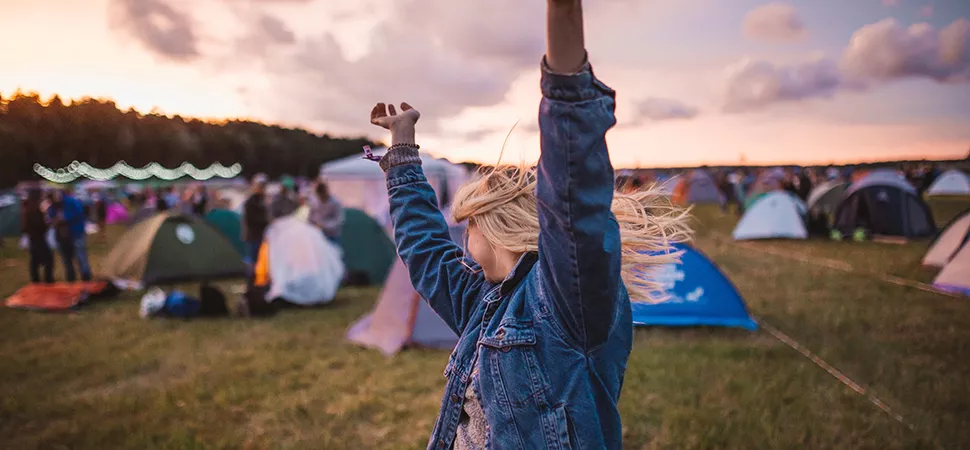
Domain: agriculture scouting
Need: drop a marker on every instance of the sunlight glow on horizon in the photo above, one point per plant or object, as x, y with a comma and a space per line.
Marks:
87, 58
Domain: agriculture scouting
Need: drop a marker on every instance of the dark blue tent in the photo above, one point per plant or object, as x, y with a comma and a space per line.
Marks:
700, 295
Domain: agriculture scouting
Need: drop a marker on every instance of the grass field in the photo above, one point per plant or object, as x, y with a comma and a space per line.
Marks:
103, 378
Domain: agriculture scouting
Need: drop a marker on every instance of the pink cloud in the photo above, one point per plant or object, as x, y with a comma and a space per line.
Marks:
890, 3
886, 51
660, 109
926, 11
753, 84
774, 22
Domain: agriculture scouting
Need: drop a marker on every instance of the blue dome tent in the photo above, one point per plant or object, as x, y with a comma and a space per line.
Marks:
700, 295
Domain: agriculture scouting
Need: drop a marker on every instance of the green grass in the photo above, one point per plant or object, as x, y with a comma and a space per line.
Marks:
103, 378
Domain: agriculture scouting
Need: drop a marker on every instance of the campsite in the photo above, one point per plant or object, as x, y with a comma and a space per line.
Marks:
101, 377
530, 225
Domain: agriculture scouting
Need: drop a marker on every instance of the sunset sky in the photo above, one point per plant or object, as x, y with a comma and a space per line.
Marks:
698, 81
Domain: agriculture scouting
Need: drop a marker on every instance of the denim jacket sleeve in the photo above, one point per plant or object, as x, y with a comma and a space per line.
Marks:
579, 241
433, 259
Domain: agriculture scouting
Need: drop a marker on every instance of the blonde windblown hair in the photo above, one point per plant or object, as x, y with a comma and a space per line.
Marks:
502, 203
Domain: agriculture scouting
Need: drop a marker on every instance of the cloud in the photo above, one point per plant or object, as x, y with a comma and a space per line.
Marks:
754, 85
926, 11
274, 30
890, 3
877, 53
159, 26
276, 2
660, 109
439, 55
774, 22
887, 51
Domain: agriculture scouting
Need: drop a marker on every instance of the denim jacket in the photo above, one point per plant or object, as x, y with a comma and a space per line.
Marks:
554, 337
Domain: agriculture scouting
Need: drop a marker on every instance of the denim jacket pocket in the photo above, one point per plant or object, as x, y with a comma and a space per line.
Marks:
513, 367
510, 335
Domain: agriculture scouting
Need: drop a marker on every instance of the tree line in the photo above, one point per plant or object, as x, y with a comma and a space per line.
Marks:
95, 131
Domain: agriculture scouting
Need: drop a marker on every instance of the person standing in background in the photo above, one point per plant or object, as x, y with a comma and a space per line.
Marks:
805, 183
286, 202
326, 213
34, 225
100, 213
172, 198
200, 201
186, 202
161, 203
69, 220
255, 217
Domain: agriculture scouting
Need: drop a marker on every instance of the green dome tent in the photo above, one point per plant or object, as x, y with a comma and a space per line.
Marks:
368, 251
9, 215
172, 248
229, 223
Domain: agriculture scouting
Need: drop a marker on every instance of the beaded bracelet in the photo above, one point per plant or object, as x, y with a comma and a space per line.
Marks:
402, 145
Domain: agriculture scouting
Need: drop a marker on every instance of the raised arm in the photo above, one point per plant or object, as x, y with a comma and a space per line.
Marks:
434, 261
579, 241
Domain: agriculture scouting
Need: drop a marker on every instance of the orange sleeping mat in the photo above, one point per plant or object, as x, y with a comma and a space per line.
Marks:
54, 297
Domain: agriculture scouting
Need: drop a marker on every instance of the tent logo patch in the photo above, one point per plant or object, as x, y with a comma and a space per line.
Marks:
185, 234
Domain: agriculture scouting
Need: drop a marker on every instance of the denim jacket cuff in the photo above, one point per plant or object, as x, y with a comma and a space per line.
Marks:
577, 87
400, 156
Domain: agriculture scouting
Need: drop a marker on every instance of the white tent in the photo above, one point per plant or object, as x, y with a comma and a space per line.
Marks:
952, 182
777, 215
359, 183
949, 242
304, 267
955, 276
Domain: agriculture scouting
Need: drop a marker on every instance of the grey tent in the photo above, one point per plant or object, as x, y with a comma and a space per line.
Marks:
697, 187
825, 197
401, 317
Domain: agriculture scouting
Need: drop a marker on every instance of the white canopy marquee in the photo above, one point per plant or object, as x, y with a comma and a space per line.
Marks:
359, 183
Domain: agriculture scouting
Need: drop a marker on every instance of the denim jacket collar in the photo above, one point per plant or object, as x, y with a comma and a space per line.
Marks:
521, 269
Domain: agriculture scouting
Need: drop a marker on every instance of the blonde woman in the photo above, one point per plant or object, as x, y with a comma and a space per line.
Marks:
542, 306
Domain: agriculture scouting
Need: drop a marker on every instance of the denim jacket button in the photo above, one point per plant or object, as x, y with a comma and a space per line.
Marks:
500, 334
506, 349
441, 443
454, 398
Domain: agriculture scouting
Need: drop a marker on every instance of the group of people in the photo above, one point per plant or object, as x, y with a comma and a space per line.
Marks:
56, 221
192, 200
259, 211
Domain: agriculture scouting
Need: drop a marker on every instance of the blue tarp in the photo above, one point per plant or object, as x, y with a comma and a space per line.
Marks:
700, 295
